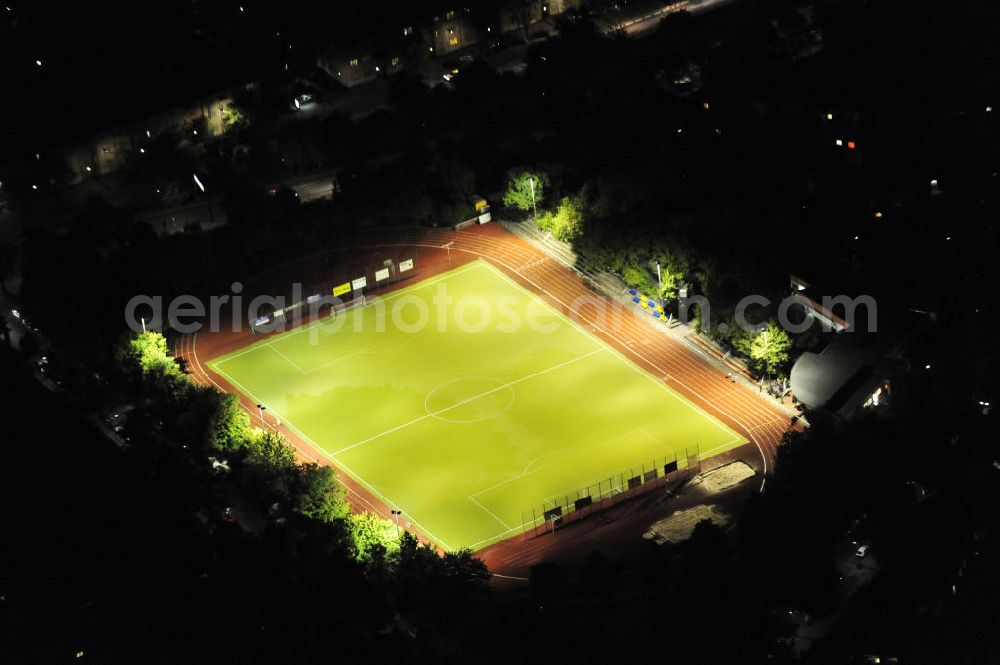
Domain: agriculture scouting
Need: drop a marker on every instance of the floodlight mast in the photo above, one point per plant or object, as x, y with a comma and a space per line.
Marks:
534, 210
767, 355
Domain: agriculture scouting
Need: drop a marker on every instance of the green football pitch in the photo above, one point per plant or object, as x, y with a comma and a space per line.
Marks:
465, 401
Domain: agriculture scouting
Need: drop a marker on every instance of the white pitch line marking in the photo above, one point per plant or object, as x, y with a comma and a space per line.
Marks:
288, 334
371, 488
497, 518
468, 400
287, 359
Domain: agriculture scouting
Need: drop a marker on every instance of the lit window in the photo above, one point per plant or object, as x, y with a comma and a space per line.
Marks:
353, 62
407, 31
851, 145
453, 41
395, 62
450, 15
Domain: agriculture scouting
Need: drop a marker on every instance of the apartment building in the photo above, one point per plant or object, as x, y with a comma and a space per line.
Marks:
436, 36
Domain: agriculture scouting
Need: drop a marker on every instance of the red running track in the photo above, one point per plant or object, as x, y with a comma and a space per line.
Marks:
638, 336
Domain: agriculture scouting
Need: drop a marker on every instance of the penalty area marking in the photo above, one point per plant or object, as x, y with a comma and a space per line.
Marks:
554, 457
287, 359
625, 360
371, 488
495, 516
560, 455
288, 334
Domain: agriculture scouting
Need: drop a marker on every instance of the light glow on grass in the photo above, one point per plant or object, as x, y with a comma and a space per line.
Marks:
464, 431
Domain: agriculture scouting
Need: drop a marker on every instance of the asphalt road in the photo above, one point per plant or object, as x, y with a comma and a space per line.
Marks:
639, 21
209, 215
855, 572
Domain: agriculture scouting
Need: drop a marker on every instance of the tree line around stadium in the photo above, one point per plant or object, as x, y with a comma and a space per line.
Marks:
916, 480
650, 268
266, 461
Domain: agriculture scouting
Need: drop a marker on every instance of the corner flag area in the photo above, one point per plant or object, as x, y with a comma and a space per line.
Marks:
464, 400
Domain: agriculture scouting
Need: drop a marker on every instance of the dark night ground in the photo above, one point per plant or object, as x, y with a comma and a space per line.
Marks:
102, 552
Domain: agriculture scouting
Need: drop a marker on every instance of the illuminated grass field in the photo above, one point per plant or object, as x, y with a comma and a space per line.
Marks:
464, 427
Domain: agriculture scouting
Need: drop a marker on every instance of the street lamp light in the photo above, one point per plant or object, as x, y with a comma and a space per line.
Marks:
534, 210
201, 186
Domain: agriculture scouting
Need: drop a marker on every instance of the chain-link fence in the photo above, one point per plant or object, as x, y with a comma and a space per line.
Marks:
564, 507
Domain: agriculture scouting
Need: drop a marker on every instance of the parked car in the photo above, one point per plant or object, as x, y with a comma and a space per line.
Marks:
277, 191
117, 415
